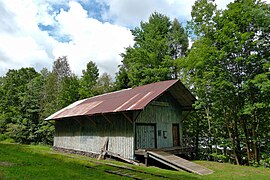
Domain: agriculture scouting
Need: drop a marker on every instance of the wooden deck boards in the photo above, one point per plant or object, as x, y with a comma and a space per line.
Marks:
178, 163
170, 150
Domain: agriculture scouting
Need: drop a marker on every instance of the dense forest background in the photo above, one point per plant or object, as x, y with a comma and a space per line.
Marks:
227, 69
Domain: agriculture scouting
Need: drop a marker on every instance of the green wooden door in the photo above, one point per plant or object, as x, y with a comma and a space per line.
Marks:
145, 136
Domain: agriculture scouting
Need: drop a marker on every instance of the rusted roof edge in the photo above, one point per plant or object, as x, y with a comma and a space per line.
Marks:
91, 115
173, 83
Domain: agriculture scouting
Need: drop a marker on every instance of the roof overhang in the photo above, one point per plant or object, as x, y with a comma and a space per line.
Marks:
134, 99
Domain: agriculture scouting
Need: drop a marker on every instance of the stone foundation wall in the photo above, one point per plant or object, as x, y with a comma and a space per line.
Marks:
72, 151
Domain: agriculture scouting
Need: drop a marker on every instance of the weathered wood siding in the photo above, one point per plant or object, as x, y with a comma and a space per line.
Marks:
89, 135
163, 112
145, 136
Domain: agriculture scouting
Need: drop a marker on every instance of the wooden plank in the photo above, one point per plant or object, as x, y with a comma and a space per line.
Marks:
160, 103
179, 162
78, 120
166, 163
90, 119
103, 149
107, 119
184, 118
120, 157
128, 118
140, 152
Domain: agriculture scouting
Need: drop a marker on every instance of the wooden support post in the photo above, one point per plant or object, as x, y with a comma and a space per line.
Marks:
91, 120
107, 119
138, 113
184, 118
127, 117
78, 121
104, 149
146, 156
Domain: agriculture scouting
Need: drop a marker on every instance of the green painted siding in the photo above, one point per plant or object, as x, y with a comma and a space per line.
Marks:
89, 137
163, 112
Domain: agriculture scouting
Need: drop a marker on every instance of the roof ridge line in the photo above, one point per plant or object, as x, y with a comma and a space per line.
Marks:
108, 93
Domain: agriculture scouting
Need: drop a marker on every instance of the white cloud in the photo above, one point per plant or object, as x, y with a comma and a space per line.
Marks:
132, 12
23, 44
26, 45
222, 3
91, 40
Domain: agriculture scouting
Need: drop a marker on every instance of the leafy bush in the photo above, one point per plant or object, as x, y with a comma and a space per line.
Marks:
3, 137
9, 140
219, 157
265, 160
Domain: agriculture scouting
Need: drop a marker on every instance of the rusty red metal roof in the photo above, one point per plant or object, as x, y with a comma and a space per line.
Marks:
127, 100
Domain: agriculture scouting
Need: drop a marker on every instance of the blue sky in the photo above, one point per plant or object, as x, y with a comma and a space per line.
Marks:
34, 33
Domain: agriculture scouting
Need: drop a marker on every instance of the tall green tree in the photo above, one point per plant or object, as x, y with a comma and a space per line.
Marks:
88, 80
61, 68
60, 78
49, 93
59, 88
158, 45
70, 90
17, 110
178, 46
121, 79
2, 120
104, 84
224, 65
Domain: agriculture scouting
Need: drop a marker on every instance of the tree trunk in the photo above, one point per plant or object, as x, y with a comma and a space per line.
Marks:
247, 141
197, 139
255, 147
234, 147
238, 147
232, 138
207, 112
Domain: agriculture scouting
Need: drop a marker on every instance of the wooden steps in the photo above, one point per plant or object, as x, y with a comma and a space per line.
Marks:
178, 163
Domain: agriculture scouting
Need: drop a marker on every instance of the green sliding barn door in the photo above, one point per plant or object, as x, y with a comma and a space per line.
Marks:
145, 136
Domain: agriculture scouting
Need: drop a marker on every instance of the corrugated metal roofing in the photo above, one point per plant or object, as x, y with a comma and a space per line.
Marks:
127, 100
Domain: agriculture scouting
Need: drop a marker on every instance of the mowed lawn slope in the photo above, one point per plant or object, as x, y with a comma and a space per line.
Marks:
37, 162
40, 162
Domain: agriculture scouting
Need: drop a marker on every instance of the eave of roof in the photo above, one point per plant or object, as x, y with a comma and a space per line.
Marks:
126, 100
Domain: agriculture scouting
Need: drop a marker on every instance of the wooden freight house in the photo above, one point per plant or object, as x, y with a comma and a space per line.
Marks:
144, 117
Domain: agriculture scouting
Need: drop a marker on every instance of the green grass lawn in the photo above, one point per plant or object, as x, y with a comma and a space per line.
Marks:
40, 162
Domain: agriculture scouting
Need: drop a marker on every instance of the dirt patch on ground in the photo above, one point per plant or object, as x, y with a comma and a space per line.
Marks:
6, 164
